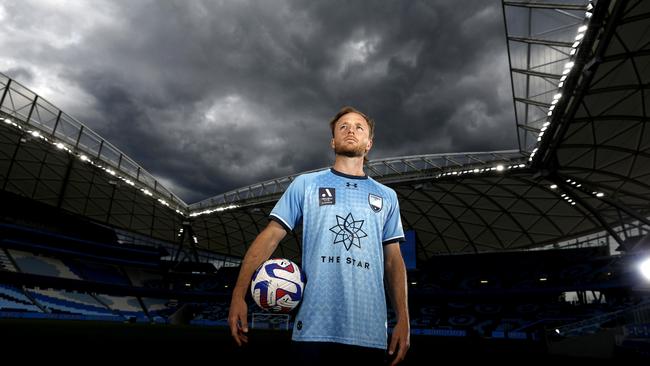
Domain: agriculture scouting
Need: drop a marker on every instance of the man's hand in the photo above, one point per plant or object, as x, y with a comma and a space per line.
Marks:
400, 341
262, 247
238, 320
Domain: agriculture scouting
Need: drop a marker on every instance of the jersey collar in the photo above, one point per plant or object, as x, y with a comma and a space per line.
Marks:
365, 176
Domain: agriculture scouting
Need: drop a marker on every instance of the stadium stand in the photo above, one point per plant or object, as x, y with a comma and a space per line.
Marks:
64, 302
128, 307
160, 310
97, 272
40, 265
6, 264
14, 299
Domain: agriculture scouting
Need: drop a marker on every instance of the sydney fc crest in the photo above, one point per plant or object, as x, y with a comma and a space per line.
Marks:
376, 202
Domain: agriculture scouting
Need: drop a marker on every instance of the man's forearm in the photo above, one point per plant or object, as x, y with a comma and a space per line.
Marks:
398, 292
260, 250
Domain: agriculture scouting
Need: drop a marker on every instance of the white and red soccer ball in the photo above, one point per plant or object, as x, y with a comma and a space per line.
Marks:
277, 285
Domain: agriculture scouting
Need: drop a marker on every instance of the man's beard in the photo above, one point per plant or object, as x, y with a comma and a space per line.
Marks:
349, 151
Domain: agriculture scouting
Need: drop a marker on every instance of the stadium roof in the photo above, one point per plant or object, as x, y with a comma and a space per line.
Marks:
48, 156
580, 90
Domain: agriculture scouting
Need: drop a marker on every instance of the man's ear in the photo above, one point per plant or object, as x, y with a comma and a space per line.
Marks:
332, 143
369, 146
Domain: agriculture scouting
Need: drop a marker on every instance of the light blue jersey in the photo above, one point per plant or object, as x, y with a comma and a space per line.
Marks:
346, 221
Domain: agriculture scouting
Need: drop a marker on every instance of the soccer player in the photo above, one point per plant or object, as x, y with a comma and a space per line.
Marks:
350, 243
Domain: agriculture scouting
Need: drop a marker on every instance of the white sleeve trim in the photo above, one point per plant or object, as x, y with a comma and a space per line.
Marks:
395, 237
281, 219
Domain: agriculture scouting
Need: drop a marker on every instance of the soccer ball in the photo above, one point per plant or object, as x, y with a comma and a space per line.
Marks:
277, 285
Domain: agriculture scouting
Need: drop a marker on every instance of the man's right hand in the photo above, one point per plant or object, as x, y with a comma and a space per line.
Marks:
261, 249
238, 320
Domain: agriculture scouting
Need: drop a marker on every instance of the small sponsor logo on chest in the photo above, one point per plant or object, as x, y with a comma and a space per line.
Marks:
326, 196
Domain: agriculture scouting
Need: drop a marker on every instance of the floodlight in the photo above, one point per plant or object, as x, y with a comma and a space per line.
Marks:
645, 268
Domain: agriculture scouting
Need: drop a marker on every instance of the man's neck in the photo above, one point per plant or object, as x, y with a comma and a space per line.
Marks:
349, 166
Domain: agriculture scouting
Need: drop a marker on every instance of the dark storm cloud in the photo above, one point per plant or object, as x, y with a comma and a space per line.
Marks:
211, 96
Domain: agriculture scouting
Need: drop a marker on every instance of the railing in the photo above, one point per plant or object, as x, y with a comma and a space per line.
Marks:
543, 41
592, 325
29, 112
390, 170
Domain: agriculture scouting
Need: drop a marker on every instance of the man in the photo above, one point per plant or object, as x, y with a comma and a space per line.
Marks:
350, 241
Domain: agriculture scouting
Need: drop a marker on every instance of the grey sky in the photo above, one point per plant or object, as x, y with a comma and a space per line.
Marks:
213, 95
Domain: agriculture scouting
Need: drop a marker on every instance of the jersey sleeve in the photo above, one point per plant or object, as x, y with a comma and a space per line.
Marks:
393, 226
288, 210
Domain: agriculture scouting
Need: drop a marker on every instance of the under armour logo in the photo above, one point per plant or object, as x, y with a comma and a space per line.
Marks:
348, 184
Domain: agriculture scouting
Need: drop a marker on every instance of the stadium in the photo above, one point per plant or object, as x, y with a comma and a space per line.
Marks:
532, 254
